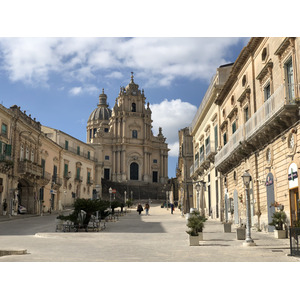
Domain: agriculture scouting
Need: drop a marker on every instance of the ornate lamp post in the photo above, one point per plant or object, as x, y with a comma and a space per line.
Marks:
198, 190
110, 192
248, 241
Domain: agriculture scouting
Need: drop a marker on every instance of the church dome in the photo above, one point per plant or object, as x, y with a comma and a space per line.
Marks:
102, 112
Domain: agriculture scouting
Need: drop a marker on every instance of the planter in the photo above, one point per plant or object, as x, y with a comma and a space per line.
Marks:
241, 233
280, 234
227, 227
194, 240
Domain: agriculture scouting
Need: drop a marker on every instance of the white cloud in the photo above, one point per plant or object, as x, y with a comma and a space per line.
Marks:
75, 90
89, 89
158, 60
172, 116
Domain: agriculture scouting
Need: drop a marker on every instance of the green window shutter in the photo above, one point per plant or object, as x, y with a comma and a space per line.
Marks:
0, 147
66, 170
78, 150
66, 145
89, 155
216, 138
8, 150
88, 177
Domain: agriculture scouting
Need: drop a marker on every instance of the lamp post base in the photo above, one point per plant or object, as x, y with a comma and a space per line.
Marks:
248, 244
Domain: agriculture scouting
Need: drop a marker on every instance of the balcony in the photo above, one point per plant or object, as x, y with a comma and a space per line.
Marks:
6, 163
78, 178
276, 115
56, 182
67, 175
28, 168
89, 181
229, 155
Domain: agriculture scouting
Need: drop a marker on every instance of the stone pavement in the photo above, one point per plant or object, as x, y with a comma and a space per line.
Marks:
160, 237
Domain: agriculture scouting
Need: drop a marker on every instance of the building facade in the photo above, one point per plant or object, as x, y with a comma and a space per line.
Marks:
205, 132
255, 117
125, 147
75, 172
185, 161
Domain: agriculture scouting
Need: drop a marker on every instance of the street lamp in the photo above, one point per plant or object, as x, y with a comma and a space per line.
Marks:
181, 201
198, 190
248, 241
110, 192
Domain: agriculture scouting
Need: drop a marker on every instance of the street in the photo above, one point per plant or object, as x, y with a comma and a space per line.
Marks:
160, 237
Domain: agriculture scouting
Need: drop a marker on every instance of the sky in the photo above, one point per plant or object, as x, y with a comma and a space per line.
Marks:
58, 80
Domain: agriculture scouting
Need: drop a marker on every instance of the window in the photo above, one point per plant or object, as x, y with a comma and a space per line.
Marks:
216, 138
106, 157
233, 127
264, 54
78, 173
134, 134
133, 107
27, 153
106, 129
43, 163
267, 92
67, 145
106, 174
289, 73
155, 176
246, 113
155, 161
91, 133
94, 132
32, 156
207, 145
54, 173
78, 150
202, 153
88, 177
66, 170
244, 80
224, 138
89, 155
22, 153
4, 130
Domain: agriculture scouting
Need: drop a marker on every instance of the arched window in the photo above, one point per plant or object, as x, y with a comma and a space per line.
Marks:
134, 134
134, 171
133, 107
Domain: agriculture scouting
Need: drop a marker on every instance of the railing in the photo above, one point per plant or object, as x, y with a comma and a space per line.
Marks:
275, 102
56, 180
80, 153
31, 168
78, 178
294, 241
232, 144
210, 147
4, 157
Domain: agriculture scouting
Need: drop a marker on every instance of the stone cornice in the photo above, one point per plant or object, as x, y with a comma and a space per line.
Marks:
244, 95
283, 46
265, 70
238, 65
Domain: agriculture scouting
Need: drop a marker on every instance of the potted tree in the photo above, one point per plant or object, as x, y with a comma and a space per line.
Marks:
196, 225
278, 220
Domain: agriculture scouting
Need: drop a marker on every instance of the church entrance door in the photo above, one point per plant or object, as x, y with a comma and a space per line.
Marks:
134, 171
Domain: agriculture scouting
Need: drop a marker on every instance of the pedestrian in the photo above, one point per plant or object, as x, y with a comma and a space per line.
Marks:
172, 208
4, 207
139, 208
147, 207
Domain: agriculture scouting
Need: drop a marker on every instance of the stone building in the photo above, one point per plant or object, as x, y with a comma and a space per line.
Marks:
205, 131
259, 132
75, 171
125, 147
185, 161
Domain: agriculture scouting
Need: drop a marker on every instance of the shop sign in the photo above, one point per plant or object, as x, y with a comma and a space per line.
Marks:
293, 176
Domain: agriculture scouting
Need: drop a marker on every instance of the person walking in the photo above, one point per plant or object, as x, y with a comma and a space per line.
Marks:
147, 207
172, 208
139, 208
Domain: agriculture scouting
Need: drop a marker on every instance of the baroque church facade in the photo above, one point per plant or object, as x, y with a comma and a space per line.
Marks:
125, 147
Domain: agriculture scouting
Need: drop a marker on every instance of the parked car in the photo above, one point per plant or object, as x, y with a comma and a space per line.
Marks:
22, 209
